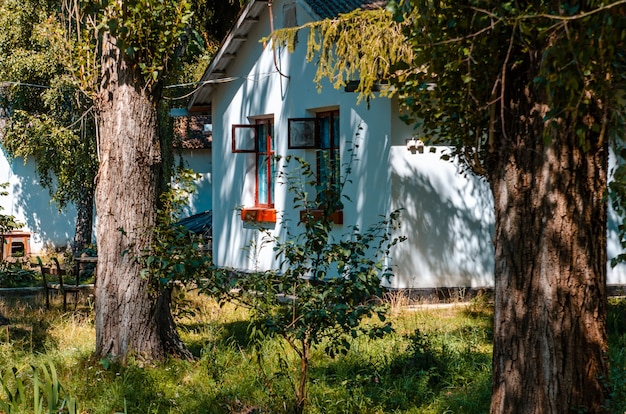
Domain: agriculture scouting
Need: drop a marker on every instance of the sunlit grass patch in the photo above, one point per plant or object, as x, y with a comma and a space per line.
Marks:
437, 360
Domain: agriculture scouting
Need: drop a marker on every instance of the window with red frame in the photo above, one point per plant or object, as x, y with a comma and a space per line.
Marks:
258, 139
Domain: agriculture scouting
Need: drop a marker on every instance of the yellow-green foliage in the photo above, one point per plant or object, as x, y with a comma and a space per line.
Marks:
336, 44
146, 31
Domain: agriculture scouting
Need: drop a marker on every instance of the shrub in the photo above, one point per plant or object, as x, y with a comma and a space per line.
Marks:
325, 288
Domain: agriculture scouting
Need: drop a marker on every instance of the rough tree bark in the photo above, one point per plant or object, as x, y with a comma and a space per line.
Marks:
550, 253
132, 314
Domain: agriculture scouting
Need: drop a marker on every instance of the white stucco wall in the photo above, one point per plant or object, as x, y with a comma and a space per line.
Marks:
438, 204
615, 275
448, 219
30, 204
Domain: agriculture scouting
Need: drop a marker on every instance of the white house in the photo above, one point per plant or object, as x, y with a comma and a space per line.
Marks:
31, 204
193, 148
264, 101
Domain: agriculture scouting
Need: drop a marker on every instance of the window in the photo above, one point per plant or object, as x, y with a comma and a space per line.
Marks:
328, 162
321, 134
264, 195
17, 249
258, 139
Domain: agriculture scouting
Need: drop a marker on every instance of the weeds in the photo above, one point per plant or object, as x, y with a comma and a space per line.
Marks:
436, 361
17, 273
48, 395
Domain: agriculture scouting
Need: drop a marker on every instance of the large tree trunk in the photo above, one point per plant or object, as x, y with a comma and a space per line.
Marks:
550, 264
132, 314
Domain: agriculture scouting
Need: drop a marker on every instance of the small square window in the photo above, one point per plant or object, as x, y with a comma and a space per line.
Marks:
245, 138
302, 133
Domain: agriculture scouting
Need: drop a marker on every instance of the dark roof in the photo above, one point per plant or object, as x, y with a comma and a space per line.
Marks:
327, 9
189, 132
201, 223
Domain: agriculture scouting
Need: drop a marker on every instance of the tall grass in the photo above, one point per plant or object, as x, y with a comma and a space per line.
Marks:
436, 361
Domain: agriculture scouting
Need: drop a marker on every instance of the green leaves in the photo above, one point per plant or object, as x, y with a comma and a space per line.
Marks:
146, 31
50, 118
15, 401
49, 397
175, 255
459, 67
324, 286
363, 45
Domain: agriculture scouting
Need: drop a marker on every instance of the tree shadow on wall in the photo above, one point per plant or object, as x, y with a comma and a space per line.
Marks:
33, 201
448, 219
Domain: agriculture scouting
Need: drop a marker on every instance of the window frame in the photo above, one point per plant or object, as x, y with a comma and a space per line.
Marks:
332, 151
234, 146
262, 210
269, 162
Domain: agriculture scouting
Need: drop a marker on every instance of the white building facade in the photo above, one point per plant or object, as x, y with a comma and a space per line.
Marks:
262, 101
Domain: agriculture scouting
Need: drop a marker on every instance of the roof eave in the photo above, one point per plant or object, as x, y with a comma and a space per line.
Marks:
231, 43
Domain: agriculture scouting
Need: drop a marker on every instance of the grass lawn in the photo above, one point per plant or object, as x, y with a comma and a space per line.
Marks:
436, 361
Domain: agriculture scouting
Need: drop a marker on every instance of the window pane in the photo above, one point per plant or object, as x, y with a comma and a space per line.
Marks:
265, 163
301, 133
244, 137
328, 163
336, 165
322, 167
324, 125
262, 138
271, 136
262, 184
336, 131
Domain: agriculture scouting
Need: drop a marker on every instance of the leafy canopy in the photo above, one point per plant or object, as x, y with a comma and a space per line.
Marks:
146, 31
49, 116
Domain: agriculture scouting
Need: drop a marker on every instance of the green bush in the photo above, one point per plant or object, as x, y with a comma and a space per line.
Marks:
326, 286
17, 274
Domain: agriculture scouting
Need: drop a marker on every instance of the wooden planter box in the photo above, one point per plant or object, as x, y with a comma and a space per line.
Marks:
259, 215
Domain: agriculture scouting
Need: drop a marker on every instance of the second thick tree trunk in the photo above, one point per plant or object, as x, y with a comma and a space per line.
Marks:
550, 253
